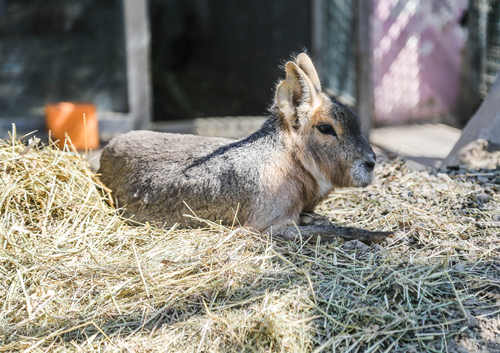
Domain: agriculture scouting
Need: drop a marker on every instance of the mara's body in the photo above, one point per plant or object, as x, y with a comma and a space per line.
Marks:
214, 178
309, 145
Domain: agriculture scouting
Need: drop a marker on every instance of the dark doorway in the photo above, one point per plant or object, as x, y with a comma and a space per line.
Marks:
221, 58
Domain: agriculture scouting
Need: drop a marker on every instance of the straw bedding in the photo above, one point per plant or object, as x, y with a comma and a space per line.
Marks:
76, 276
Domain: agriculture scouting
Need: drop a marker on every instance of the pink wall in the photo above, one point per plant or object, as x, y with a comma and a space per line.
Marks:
417, 58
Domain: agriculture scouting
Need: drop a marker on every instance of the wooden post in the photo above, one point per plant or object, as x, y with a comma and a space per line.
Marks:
364, 79
138, 72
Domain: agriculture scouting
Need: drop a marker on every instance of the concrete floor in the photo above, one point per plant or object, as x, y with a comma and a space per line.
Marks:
427, 144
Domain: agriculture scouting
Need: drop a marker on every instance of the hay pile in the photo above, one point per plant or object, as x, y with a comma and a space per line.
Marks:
75, 276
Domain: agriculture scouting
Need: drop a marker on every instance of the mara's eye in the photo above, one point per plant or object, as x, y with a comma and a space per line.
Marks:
326, 129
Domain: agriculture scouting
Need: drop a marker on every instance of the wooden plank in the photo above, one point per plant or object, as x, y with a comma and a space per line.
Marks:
364, 81
138, 72
112, 124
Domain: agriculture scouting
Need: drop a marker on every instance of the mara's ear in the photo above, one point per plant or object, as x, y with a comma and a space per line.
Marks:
295, 91
306, 64
283, 100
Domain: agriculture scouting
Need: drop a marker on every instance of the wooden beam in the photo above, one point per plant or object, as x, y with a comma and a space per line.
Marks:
138, 72
485, 124
364, 80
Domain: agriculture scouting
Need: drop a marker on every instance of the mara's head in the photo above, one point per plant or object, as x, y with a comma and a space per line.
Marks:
323, 133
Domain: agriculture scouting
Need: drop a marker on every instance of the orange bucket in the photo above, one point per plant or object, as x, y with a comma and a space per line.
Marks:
78, 121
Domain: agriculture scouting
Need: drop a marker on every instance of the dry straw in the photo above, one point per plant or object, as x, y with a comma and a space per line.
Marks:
76, 276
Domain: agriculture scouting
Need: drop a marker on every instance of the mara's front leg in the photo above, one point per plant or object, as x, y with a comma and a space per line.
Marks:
313, 226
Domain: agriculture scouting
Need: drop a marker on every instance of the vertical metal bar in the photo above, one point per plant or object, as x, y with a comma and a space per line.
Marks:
364, 81
138, 72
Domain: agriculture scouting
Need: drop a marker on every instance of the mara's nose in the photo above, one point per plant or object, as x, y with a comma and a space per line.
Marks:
370, 162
